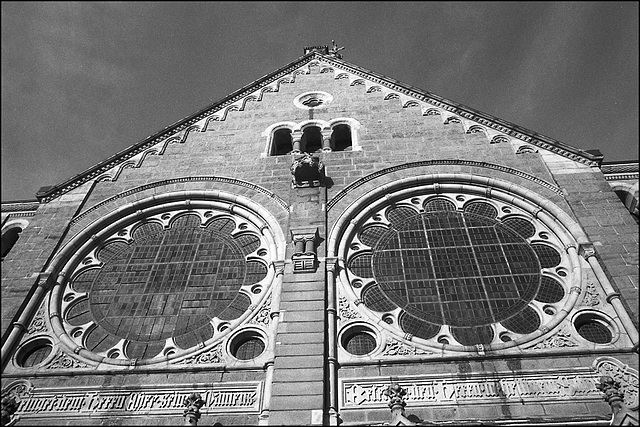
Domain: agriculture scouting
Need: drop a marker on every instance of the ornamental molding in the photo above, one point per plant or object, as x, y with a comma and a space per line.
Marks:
561, 339
563, 385
397, 348
20, 208
213, 355
591, 296
38, 324
63, 361
626, 376
156, 144
346, 312
263, 316
42, 403
234, 181
349, 188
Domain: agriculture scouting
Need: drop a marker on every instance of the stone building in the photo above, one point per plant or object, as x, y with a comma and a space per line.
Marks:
326, 245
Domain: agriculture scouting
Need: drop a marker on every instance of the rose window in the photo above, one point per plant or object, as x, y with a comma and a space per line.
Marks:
165, 284
456, 269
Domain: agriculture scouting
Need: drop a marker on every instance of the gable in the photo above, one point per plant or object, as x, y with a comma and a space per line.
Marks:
473, 121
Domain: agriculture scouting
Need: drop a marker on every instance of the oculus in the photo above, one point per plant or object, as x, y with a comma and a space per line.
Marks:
166, 284
456, 270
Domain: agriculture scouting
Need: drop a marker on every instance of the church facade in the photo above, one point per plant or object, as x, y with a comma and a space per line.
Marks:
326, 246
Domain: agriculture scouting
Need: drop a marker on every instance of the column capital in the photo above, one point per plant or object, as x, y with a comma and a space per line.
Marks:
587, 250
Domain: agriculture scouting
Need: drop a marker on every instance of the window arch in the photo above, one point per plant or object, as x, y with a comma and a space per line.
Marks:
10, 236
282, 142
341, 138
311, 141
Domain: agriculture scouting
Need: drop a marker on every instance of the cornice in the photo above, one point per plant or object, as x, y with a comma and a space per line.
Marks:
19, 206
488, 120
172, 130
156, 144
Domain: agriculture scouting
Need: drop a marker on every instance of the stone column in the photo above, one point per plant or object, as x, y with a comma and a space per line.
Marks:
326, 141
588, 252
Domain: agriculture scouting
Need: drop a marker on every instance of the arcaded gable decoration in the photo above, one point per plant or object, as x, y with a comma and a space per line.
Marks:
328, 59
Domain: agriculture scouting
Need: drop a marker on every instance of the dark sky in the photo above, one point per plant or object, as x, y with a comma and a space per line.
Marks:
82, 81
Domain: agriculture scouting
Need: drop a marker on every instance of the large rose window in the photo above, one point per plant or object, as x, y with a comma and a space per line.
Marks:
165, 284
456, 269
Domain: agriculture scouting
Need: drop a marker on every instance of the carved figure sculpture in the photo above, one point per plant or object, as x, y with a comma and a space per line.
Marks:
9, 407
307, 171
192, 414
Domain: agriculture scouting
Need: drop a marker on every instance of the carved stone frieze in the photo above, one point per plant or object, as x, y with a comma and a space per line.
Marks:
211, 356
591, 296
397, 348
561, 339
345, 310
64, 361
263, 316
82, 402
568, 385
626, 376
38, 324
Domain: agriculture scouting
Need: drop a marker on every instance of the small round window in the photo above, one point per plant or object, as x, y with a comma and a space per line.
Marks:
34, 353
312, 100
247, 345
359, 341
594, 329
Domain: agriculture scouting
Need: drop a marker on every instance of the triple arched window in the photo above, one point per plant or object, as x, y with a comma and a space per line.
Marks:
312, 136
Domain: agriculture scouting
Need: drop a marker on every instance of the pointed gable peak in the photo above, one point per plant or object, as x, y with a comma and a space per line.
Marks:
325, 50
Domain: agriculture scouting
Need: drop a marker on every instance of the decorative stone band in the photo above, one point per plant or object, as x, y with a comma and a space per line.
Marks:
143, 401
381, 172
220, 179
431, 390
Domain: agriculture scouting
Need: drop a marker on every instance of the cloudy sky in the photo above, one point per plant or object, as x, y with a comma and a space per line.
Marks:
82, 81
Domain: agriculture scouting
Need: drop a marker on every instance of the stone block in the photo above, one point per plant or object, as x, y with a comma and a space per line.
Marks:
299, 349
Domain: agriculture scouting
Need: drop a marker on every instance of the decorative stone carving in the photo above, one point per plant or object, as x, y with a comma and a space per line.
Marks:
192, 414
591, 297
346, 312
64, 361
307, 171
396, 395
622, 374
263, 316
397, 348
304, 256
11, 399
561, 339
38, 324
212, 356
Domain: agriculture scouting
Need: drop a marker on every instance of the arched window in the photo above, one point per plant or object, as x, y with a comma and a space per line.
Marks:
282, 142
630, 202
9, 238
341, 138
312, 139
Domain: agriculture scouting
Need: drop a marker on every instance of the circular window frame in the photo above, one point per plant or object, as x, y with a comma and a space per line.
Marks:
26, 349
550, 229
245, 334
80, 255
357, 327
324, 97
583, 316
